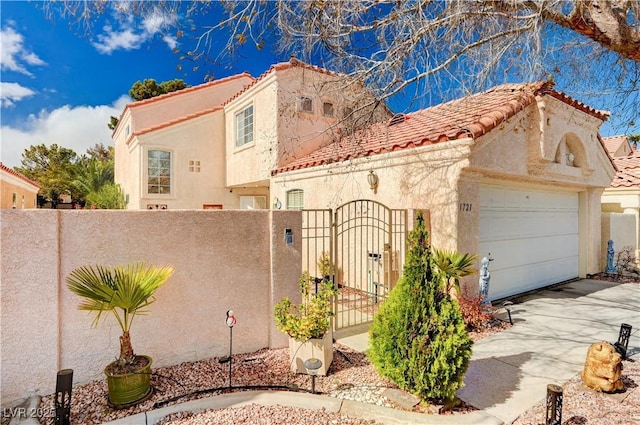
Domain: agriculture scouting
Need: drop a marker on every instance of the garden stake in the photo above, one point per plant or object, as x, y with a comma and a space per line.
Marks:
231, 320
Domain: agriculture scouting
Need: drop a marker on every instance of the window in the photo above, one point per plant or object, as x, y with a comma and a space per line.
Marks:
159, 172
295, 199
253, 202
194, 166
306, 104
15, 196
327, 109
244, 126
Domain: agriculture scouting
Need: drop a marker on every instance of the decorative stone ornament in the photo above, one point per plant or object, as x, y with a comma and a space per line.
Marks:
610, 251
603, 368
485, 277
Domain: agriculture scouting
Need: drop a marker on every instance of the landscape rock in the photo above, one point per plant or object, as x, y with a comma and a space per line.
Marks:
603, 368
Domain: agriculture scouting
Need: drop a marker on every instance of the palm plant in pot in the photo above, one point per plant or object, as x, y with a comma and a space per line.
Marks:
309, 323
124, 291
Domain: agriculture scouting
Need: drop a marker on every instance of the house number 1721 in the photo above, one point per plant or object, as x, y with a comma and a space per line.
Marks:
465, 207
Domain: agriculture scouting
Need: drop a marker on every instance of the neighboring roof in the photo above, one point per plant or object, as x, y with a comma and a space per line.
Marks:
625, 179
613, 143
18, 175
627, 167
469, 117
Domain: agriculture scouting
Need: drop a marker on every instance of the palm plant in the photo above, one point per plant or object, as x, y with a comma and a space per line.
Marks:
453, 266
125, 291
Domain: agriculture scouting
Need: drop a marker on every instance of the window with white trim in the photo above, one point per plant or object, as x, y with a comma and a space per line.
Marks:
244, 126
158, 172
295, 199
306, 104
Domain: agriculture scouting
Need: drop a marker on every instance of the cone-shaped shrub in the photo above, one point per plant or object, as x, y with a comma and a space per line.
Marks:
418, 338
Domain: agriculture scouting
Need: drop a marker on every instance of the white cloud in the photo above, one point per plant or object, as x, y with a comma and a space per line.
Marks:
13, 55
13, 92
114, 40
129, 36
77, 128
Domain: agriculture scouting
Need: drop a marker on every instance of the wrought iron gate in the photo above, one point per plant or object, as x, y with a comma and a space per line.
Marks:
364, 241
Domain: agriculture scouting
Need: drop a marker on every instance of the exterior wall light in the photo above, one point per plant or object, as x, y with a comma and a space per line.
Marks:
372, 178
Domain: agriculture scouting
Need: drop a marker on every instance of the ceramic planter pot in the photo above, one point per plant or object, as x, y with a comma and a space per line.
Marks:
129, 388
319, 348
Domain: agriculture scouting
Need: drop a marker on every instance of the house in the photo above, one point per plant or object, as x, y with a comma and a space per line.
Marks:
16, 190
621, 200
211, 146
514, 173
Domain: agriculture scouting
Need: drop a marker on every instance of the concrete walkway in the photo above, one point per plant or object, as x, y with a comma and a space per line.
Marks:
509, 371
548, 343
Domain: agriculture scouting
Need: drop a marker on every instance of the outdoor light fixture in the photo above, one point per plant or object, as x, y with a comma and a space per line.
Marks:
623, 340
312, 365
372, 178
554, 405
64, 382
507, 306
230, 321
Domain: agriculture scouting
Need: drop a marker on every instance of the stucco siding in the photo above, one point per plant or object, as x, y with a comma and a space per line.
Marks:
222, 259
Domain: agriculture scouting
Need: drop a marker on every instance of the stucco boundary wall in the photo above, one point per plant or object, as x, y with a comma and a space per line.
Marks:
223, 260
621, 229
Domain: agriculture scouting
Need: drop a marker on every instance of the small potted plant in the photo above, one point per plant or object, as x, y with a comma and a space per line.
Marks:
125, 291
308, 324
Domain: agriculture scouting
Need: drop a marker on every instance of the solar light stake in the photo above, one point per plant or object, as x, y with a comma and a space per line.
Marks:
623, 340
231, 320
554, 405
312, 365
64, 382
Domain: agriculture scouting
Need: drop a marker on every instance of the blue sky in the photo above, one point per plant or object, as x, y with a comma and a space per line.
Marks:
61, 87
58, 86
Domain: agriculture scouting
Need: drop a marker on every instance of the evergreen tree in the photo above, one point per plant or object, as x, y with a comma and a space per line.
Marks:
418, 338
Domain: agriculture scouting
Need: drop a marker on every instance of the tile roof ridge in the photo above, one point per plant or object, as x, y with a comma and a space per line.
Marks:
280, 66
189, 89
18, 175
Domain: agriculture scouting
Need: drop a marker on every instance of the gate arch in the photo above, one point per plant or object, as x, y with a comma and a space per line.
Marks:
366, 245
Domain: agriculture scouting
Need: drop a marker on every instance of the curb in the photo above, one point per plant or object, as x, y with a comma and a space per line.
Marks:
354, 409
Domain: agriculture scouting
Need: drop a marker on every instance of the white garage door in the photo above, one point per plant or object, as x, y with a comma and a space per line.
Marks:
532, 236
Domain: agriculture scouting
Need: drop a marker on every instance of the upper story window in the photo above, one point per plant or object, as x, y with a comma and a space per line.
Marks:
244, 126
253, 202
327, 109
159, 172
194, 166
306, 104
295, 199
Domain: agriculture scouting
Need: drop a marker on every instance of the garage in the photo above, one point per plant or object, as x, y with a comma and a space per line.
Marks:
531, 235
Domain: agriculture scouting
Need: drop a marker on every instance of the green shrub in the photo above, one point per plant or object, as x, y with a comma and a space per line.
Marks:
310, 319
418, 338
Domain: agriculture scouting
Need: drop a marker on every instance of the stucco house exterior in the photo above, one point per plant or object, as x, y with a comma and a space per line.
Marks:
621, 200
16, 190
515, 173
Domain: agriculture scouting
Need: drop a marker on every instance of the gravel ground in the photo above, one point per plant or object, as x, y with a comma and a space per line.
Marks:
350, 377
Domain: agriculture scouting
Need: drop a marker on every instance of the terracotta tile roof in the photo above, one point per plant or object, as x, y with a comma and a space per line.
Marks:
625, 179
627, 170
18, 175
613, 143
469, 117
